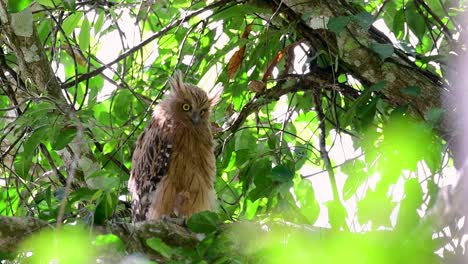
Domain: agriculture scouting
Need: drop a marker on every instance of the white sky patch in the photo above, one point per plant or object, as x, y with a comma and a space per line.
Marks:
112, 46
208, 81
300, 59
380, 25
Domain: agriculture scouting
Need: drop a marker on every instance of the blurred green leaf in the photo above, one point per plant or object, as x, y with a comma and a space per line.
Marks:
355, 169
364, 20
48, 3
415, 22
110, 241
245, 140
159, 246
15, 6
378, 86
411, 90
203, 222
309, 206
83, 39
70, 244
338, 24
399, 22
105, 208
434, 116
99, 22
384, 50
63, 138
69, 4
71, 22
282, 173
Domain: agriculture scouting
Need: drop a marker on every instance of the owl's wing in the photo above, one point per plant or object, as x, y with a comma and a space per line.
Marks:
149, 165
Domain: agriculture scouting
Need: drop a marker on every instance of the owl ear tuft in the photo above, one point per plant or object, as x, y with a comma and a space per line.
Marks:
177, 81
215, 94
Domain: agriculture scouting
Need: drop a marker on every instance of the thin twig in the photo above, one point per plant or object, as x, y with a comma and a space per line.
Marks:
323, 146
73, 165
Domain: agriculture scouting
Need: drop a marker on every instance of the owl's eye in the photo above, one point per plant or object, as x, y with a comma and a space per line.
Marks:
186, 107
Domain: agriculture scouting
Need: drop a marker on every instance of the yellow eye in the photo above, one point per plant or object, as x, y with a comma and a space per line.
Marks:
186, 107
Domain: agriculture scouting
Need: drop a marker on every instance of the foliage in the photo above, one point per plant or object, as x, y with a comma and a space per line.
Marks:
289, 103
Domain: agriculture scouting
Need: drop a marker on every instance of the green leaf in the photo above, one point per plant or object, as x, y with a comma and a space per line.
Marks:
245, 140
99, 180
367, 112
378, 86
356, 176
260, 170
337, 24
399, 22
63, 138
238, 11
48, 3
105, 208
70, 23
69, 4
408, 217
122, 104
351, 113
383, 50
159, 246
203, 222
22, 164
342, 78
35, 139
15, 6
82, 194
109, 147
434, 116
306, 16
110, 241
364, 20
83, 39
416, 22
99, 22
281, 173
411, 90
308, 203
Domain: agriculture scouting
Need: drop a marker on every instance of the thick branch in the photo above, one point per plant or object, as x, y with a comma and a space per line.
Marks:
32, 60
353, 48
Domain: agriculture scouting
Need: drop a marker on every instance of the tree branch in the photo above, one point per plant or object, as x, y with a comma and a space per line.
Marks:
304, 83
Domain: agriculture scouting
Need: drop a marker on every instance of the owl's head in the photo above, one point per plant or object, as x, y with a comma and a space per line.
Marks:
189, 103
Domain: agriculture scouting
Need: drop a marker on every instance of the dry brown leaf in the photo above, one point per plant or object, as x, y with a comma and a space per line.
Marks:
235, 62
288, 51
256, 86
236, 59
272, 65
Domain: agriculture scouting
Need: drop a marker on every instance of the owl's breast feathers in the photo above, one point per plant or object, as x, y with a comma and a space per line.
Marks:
173, 167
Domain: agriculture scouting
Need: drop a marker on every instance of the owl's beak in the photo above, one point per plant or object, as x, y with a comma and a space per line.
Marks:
195, 118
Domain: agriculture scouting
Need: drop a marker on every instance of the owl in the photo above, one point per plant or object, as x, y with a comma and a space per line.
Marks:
173, 164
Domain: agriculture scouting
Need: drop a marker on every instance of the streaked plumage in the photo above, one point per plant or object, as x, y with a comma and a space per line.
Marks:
173, 165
